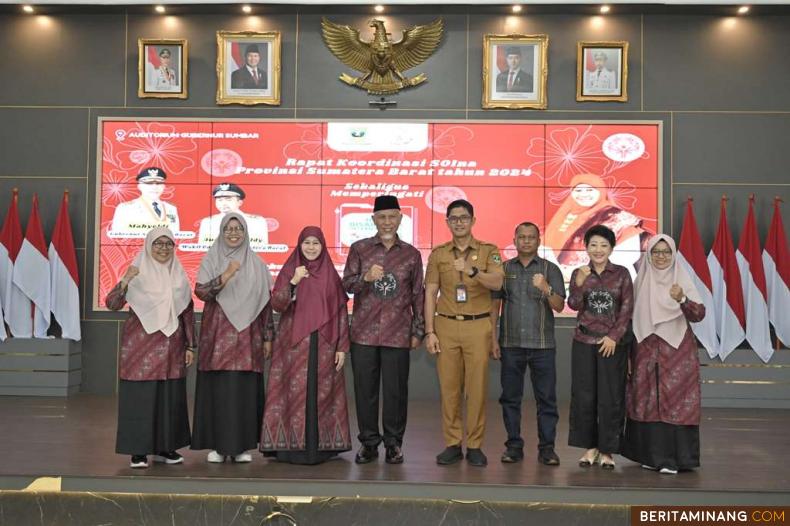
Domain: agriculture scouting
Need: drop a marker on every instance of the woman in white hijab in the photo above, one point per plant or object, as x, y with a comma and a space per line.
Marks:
235, 339
663, 394
157, 346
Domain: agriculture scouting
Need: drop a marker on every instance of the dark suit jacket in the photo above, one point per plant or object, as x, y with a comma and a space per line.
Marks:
242, 79
522, 81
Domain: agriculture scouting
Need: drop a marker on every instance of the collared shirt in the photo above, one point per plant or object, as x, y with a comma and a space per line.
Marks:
605, 303
527, 319
482, 255
389, 311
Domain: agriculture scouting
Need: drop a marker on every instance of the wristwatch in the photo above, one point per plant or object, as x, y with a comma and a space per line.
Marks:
474, 273
550, 292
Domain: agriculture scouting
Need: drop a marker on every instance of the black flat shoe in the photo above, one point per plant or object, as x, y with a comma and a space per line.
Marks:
450, 455
476, 457
512, 455
366, 454
394, 455
548, 457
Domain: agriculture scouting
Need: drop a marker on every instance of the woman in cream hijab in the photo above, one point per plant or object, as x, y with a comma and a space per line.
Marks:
663, 394
157, 345
235, 339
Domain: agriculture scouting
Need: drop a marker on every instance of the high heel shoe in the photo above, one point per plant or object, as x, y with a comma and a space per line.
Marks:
607, 465
585, 462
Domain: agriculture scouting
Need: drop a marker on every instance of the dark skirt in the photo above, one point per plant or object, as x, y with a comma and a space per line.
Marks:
311, 455
661, 445
228, 411
152, 416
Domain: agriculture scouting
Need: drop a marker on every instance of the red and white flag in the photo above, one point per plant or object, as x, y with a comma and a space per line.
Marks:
755, 295
727, 291
64, 277
776, 260
16, 305
691, 254
32, 269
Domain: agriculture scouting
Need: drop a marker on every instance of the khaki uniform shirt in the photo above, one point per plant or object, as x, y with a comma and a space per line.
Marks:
441, 271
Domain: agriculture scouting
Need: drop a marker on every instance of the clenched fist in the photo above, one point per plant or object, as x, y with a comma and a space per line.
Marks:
676, 291
540, 283
233, 267
129, 275
299, 274
374, 273
582, 275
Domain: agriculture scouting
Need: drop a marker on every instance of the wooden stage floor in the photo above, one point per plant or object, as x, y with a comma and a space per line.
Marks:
745, 456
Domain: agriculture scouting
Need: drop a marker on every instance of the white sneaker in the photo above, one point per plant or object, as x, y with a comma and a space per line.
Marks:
243, 457
215, 457
667, 471
139, 461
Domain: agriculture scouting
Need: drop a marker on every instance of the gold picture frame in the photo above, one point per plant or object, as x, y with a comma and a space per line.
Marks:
159, 76
243, 78
515, 71
602, 71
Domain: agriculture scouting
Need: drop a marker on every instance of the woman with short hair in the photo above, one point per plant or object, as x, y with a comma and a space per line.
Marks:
603, 295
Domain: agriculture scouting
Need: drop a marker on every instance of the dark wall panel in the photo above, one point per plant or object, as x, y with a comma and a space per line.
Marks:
62, 60
716, 63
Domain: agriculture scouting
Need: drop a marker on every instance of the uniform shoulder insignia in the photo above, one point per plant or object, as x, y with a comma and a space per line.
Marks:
496, 259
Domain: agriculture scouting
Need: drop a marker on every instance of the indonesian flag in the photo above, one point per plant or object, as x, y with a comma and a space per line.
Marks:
64, 277
31, 271
16, 306
237, 60
727, 291
691, 254
776, 260
755, 296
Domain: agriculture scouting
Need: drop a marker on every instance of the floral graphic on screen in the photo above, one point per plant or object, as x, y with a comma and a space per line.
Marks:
568, 151
449, 139
174, 155
309, 146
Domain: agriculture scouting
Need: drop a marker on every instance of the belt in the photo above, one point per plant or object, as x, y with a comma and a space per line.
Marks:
464, 317
584, 330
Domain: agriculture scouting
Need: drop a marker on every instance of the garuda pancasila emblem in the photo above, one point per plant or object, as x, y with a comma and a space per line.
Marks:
382, 61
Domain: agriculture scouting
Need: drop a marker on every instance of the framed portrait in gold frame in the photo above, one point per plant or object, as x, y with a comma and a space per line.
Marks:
162, 68
248, 67
515, 71
602, 71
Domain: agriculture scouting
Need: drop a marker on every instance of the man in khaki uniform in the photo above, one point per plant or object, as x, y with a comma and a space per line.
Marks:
458, 329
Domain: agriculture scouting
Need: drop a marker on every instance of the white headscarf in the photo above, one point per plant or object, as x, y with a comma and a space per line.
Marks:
655, 312
246, 294
161, 291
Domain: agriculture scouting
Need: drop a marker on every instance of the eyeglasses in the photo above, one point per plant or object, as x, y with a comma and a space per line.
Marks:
459, 219
233, 229
661, 253
163, 244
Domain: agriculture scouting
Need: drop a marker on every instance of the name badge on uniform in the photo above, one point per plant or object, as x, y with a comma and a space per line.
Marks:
460, 293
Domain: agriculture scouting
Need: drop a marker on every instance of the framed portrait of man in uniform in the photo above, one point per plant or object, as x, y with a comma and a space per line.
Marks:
515, 71
162, 68
602, 71
248, 67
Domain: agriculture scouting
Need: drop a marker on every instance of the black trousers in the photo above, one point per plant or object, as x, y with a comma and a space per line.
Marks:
597, 397
374, 368
543, 376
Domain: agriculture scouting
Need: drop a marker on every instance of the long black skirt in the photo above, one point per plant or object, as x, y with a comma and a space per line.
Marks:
311, 455
661, 445
152, 416
228, 411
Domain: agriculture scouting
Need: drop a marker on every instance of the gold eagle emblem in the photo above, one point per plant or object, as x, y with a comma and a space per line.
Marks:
382, 61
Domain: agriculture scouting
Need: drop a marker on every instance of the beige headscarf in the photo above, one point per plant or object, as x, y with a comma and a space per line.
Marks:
161, 291
247, 293
655, 312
